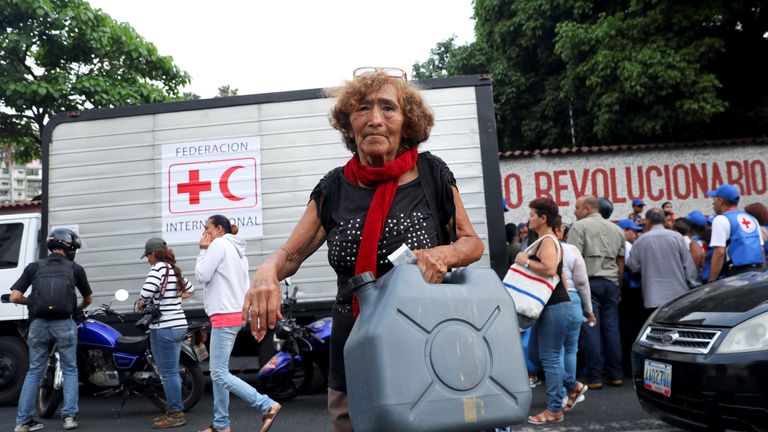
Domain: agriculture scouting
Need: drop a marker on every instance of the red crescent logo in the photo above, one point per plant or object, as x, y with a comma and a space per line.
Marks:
224, 184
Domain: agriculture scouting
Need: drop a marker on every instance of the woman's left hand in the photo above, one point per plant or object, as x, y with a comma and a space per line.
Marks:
139, 305
186, 294
431, 264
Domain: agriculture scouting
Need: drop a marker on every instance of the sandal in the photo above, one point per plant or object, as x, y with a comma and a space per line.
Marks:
545, 417
575, 396
270, 417
211, 428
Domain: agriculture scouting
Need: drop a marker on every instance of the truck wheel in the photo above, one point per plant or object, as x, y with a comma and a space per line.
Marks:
48, 398
14, 363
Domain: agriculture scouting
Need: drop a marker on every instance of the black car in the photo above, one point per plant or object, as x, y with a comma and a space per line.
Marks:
701, 360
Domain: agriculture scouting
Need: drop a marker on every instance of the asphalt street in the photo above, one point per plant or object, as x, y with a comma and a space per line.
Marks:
609, 409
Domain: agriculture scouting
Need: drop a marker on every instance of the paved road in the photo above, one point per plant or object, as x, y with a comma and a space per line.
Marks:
610, 409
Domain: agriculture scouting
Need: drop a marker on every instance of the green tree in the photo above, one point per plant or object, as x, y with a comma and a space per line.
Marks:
448, 59
190, 96
643, 72
532, 109
226, 90
62, 55
618, 72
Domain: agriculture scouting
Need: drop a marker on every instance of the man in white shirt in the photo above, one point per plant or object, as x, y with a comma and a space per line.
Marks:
736, 241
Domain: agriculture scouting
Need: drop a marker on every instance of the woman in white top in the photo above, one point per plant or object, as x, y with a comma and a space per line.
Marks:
165, 286
223, 267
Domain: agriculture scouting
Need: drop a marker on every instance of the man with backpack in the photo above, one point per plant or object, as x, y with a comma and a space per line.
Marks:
52, 305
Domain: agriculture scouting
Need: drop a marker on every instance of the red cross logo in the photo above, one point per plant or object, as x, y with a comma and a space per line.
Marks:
194, 187
746, 223
212, 185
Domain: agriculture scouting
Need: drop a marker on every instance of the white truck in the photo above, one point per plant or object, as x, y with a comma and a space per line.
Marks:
119, 176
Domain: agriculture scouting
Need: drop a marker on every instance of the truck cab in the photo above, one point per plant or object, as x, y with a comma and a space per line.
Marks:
18, 247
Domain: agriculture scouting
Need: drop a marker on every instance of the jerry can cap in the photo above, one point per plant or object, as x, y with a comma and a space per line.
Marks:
360, 280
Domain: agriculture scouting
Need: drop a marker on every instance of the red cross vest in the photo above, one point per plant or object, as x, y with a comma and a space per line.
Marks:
744, 242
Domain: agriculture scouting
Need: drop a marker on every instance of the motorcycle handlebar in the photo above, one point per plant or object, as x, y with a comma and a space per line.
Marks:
106, 310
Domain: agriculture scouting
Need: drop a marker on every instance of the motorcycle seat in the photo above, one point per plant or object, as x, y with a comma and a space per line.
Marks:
135, 345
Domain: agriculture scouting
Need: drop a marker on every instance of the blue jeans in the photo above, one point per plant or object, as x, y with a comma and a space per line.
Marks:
571, 345
42, 335
166, 350
547, 341
601, 344
222, 341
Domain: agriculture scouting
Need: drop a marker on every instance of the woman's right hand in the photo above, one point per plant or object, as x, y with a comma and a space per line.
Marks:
205, 241
262, 303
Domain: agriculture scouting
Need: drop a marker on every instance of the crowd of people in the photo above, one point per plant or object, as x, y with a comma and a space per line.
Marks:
615, 274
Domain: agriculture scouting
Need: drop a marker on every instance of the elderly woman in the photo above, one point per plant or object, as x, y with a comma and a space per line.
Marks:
387, 194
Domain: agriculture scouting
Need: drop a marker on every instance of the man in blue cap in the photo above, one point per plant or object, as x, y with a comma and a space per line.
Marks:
637, 210
737, 246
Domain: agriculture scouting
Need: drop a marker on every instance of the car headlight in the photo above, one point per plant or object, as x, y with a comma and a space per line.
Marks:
751, 335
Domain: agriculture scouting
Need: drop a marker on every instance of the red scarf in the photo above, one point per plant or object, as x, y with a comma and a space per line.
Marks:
385, 181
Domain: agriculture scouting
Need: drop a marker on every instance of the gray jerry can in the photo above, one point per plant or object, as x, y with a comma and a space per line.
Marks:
444, 357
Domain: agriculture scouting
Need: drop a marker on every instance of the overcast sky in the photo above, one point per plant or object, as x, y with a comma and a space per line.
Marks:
260, 46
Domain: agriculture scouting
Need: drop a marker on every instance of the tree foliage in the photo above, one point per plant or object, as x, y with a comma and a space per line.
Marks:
62, 55
616, 72
447, 59
226, 90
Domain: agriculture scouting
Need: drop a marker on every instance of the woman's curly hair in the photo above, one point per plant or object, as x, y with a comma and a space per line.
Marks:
418, 118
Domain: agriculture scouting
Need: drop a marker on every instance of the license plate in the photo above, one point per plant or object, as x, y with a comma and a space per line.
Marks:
658, 377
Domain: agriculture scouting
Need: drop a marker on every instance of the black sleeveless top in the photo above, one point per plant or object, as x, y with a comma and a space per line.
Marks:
560, 294
342, 207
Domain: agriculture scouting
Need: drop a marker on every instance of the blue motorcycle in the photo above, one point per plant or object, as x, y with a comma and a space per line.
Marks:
115, 364
303, 351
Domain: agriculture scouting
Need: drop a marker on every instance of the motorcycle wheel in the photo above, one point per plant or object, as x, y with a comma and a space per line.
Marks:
14, 361
48, 398
192, 385
288, 384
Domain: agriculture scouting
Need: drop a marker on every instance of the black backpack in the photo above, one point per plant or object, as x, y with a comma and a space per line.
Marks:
53, 290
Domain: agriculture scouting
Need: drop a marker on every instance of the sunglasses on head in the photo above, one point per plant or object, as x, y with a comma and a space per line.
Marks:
389, 71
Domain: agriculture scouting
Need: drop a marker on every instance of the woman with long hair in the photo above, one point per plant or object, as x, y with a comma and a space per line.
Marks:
166, 286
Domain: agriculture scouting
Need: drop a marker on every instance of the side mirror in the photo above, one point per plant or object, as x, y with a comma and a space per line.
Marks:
121, 295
